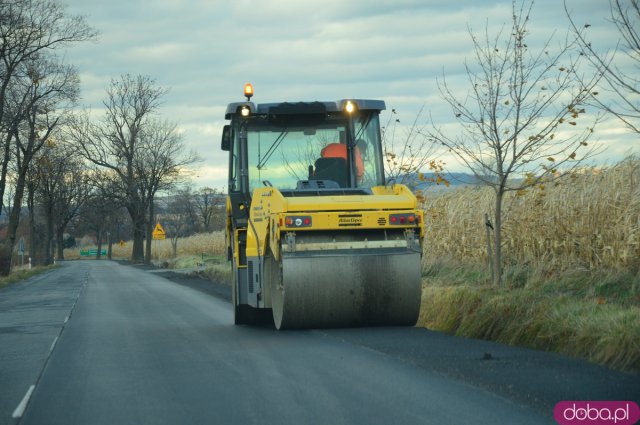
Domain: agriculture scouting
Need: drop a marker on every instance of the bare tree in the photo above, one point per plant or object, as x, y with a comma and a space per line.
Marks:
30, 88
115, 143
103, 212
180, 218
143, 153
410, 157
35, 225
520, 116
620, 94
407, 149
160, 165
209, 203
30, 30
63, 188
95, 215
42, 101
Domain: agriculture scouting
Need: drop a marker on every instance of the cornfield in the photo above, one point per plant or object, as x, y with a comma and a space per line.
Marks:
589, 220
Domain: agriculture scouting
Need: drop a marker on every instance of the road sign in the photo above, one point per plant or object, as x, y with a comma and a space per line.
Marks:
21, 250
92, 252
158, 232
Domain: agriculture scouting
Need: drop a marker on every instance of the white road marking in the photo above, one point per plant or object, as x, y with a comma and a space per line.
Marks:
53, 344
23, 404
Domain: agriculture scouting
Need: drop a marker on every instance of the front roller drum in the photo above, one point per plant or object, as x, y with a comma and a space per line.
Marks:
347, 288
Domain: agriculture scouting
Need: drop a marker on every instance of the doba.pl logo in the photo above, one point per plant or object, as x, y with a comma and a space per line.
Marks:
596, 413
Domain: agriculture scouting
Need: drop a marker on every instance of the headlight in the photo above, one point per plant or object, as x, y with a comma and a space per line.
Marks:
349, 107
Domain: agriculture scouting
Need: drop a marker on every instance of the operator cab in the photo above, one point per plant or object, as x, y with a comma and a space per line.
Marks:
305, 148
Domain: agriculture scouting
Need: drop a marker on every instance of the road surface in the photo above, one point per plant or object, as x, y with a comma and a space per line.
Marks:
97, 342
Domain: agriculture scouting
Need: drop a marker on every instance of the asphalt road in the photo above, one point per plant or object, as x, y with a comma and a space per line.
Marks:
97, 342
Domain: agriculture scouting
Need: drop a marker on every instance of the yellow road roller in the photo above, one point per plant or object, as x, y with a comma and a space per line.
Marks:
315, 236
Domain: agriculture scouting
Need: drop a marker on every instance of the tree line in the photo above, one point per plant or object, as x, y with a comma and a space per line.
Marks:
71, 170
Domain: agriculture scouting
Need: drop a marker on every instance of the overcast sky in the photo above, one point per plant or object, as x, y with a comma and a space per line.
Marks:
294, 50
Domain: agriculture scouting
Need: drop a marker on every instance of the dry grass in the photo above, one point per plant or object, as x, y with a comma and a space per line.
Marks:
595, 316
196, 245
23, 274
590, 220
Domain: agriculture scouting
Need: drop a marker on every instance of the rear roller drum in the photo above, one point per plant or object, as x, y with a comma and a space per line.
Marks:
347, 288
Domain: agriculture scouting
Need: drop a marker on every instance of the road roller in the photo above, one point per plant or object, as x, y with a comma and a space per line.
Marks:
315, 236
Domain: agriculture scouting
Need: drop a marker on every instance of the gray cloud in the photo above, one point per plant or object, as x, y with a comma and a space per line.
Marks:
292, 50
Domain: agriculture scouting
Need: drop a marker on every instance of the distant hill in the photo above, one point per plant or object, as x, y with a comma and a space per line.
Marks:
455, 180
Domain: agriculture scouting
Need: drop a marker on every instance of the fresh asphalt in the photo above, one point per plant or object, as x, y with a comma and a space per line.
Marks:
97, 342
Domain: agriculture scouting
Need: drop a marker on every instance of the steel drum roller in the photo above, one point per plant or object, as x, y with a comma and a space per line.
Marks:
344, 288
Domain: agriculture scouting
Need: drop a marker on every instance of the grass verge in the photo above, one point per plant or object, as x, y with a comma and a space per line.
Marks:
213, 267
585, 314
20, 275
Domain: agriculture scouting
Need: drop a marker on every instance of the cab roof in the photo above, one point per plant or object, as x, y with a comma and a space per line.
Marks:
298, 108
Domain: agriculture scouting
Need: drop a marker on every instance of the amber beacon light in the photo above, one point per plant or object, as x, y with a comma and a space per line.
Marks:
248, 91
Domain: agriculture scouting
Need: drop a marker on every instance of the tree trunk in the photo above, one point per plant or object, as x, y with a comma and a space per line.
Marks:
150, 221
48, 250
99, 243
174, 246
497, 240
31, 204
14, 221
110, 247
5, 257
138, 220
6, 156
487, 227
60, 243
137, 251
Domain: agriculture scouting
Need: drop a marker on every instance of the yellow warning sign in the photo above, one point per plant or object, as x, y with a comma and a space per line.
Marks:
158, 232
